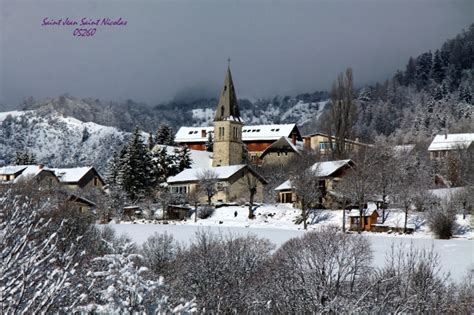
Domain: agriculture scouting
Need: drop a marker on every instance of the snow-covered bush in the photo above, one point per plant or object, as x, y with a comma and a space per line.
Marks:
205, 211
219, 271
159, 252
441, 219
410, 282
322, 271
36, 274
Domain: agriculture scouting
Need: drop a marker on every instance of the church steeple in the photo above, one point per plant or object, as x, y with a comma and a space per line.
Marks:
228, 146
228, 107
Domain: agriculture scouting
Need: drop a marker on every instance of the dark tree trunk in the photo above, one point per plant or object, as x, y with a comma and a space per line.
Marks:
252, 195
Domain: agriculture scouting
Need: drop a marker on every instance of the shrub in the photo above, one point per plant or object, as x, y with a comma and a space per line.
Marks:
205, 212
441, 219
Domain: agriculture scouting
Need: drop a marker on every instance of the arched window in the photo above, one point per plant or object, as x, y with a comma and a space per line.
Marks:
222, 111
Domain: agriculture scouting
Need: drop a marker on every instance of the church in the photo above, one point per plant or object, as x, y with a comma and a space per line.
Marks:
234, 177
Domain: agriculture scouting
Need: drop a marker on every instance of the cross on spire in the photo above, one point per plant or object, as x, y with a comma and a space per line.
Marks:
228, 62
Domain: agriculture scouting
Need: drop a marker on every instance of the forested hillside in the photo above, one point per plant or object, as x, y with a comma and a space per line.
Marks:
432, 94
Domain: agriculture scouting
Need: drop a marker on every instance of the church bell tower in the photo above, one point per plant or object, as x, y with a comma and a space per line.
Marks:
228, 145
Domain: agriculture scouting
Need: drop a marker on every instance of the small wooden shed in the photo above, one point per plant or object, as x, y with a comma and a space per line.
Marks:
369, 218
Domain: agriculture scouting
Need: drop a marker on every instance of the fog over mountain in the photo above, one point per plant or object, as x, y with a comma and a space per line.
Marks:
179, 48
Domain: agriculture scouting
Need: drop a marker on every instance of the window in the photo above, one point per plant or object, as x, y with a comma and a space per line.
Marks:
179, 189
222, 110
96, 181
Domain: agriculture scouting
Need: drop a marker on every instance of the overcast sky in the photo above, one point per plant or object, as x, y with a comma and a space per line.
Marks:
179, 47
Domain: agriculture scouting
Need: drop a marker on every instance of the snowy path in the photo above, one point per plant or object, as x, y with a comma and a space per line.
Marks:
456, 255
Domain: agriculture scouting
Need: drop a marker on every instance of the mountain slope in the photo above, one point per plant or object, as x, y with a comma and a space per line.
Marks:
56, 140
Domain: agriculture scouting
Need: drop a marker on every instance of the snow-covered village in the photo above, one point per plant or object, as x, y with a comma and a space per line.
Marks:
355, 198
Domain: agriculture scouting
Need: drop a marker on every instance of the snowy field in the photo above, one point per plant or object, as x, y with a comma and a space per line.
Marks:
275, 222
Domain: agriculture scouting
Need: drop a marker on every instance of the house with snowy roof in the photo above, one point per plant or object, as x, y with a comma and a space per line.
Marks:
11, 174
231, 182
79, 177
231, 174
321, 143
280, 152
444, 145
328, 172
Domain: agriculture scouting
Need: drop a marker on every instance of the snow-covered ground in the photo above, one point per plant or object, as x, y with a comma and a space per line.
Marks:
276, 222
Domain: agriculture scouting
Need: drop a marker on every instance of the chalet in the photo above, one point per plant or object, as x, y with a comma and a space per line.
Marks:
280, 152
329, 172
79, 177
17, 173
321, 143
257, 138
444, 145
230, 184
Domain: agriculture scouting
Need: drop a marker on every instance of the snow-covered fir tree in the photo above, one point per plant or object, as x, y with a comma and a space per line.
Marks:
209, 143
183, 158
136, 168
165, 135
24, 158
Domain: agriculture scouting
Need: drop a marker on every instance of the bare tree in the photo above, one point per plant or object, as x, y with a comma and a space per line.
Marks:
342, 114
384, 172
193, 198
358, 185
207, 182
412, 182
327, 269
306, 187
218, 269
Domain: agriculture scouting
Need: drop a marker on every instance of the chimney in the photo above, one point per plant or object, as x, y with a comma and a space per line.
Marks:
40, 166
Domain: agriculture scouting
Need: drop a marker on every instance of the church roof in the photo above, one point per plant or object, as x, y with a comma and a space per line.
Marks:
227, 108
249, 133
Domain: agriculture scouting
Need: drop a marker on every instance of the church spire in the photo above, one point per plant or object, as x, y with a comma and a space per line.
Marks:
227, 108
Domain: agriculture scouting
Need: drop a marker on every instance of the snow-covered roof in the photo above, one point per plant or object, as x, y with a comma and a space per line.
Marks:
249, 133
30, 171
198, 158
451, 141
446, 193
193, 134
193, 174
284, 186
12, 169
403, 148
25, 171
71, 175
281, 143
354, 213
327, 168
266, 132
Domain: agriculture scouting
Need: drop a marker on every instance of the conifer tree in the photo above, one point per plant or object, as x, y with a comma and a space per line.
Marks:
164, 165
24, 158
165, 135
183, 158
209, 143
151, 141
136, 169
112, 172
438, 68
